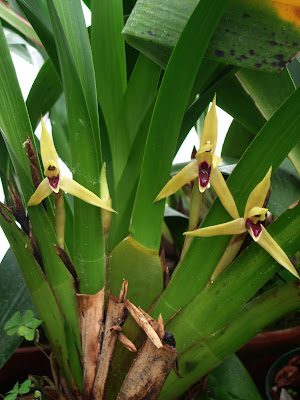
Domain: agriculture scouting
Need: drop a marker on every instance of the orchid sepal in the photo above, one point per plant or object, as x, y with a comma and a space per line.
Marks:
187, 174
271, 246
258, 194
75, 189
42, 191
218, 183
235, 227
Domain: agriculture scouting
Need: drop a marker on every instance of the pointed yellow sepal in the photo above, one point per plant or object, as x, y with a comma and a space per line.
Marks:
187, 174
258, 194
210, 127
48, 151
42, 191
218, 183
234, 227
268, 243
75, 189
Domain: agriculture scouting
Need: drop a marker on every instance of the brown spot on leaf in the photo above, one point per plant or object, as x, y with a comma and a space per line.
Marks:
246, 15
278, 56
257, 65
232, 52
273, 43
219, 53
251, 52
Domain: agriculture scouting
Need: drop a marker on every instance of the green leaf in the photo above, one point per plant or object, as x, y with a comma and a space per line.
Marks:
13, 130
41, 293
17, 21
269, 147
13, 296
42, 27
44, 92
237, 140
89, 257
154, 29
60, 132
27, 317
230, 380
211, 351
285, 185
233, 99
269, 91
73, 24
140, 93
110, 68
25, 387
12, 396
167, 117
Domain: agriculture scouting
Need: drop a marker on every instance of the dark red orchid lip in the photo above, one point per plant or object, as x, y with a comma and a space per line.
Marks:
54, 181
204, 174
256, 229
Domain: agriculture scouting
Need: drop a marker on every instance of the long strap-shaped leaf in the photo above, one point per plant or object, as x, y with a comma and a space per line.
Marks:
73, 23
167, 117
41, 294
89, 256
44, 92
18, 22
14, 124
207, 354
269, 147
110, 68
42, 27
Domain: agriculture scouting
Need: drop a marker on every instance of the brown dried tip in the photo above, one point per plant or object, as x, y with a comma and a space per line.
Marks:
66, 260
160, 330
33, 161
35, 250
141, 320
18, 210
126, 342
123, 292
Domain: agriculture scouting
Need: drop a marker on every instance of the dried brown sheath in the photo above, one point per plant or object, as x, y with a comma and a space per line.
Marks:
91, 315
116, 313
148, 373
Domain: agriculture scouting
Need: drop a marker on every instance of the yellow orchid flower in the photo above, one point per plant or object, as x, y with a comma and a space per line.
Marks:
205, 168
55, 182
251, 222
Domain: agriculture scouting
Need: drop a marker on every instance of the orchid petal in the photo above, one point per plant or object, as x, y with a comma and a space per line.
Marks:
48, 151
203, 149
268, 243
257, 214
187, 174
210, 128
42, 191
234, 227
75, 189
258, 194
216, 161
218, 183
60, 218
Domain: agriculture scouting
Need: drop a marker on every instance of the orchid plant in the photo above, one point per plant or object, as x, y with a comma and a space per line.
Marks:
121, 96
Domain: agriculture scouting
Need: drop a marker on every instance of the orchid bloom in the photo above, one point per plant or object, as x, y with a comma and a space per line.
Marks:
253, 215
55, 182
205, 168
